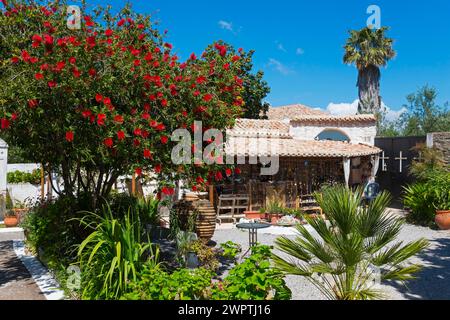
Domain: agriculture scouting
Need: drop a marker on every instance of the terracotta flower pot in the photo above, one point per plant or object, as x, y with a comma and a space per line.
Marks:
20, 213
274, 217
442, 219
11, 221
254, 215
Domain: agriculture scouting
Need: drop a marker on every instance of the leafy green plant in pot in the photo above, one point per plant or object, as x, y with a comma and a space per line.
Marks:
274, 210
11, 219
442, 204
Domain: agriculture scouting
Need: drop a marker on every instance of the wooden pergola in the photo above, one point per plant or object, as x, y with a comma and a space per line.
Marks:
297, 178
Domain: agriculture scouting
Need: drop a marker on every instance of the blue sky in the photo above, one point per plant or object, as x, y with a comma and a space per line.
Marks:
299, 43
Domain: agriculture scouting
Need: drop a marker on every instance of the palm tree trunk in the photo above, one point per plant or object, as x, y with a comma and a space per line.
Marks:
369, 90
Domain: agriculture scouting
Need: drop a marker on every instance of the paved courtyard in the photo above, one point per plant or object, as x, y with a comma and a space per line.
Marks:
16, 282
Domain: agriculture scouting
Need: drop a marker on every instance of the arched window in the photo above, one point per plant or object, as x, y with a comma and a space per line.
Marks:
333, 135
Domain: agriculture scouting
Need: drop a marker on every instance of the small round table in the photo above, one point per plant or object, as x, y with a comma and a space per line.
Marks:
252, 228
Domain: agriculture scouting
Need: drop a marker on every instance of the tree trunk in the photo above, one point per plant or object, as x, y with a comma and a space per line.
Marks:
369, 90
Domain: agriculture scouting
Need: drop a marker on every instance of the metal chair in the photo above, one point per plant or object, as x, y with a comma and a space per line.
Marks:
371, 192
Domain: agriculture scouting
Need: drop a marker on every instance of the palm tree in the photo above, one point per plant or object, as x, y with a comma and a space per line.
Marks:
368, 49
346, 257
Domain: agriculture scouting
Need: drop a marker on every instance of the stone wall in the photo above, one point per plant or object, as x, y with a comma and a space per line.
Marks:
441, 141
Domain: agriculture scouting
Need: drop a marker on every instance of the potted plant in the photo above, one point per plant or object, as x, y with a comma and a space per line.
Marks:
20, 209
442, 204
255, 215
11, 219
274, 210
185, 253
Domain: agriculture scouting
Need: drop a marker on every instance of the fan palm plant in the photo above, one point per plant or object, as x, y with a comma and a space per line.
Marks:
352, 252
369, 49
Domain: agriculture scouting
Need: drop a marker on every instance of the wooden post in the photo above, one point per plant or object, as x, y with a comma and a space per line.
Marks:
133, 184
211, 194
42, 182
49, 186
250, 198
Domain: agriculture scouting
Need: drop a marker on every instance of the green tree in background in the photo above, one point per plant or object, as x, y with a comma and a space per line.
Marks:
422, 116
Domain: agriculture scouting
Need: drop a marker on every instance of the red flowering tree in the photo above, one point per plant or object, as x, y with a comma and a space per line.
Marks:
103, 100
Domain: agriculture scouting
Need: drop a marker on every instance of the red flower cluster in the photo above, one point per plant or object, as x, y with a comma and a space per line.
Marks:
153, 92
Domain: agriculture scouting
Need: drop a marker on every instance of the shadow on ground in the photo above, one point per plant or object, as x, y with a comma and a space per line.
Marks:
433, 282
12, 268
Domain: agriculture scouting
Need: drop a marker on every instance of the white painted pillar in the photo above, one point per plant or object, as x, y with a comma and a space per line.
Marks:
3, 175
346, 163
3, 165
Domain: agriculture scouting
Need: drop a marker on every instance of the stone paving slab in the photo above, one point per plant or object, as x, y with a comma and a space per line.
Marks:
16, 283
7, 234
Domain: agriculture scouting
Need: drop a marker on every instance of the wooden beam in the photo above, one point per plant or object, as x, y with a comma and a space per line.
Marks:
133, 184
211, 194
250, 197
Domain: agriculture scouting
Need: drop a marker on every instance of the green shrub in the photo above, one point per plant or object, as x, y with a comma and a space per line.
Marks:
24, 177
8, 201
424, 198
440, 186
275, 207
253, 279
206, 255
112, 255
143, 209
417, 198
230, 250
48, 225
183, 284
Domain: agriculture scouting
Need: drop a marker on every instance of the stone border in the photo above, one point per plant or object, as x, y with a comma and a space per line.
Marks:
44, 280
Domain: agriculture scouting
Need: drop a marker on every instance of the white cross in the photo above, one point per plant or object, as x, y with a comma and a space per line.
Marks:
419, 158
383, 163
401, 161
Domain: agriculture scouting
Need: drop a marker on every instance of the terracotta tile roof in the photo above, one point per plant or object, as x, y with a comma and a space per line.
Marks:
244, 146
260, 128
292, 112
335, 120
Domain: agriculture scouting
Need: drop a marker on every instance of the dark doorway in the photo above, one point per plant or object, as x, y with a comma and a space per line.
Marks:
398, 154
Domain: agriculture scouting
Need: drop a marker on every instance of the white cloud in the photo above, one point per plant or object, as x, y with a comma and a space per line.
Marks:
226, 25
393, 115
340, 109
281, 47
280, 67
299, 51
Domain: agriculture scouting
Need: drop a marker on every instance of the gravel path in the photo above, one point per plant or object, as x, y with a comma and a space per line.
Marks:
433, 282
